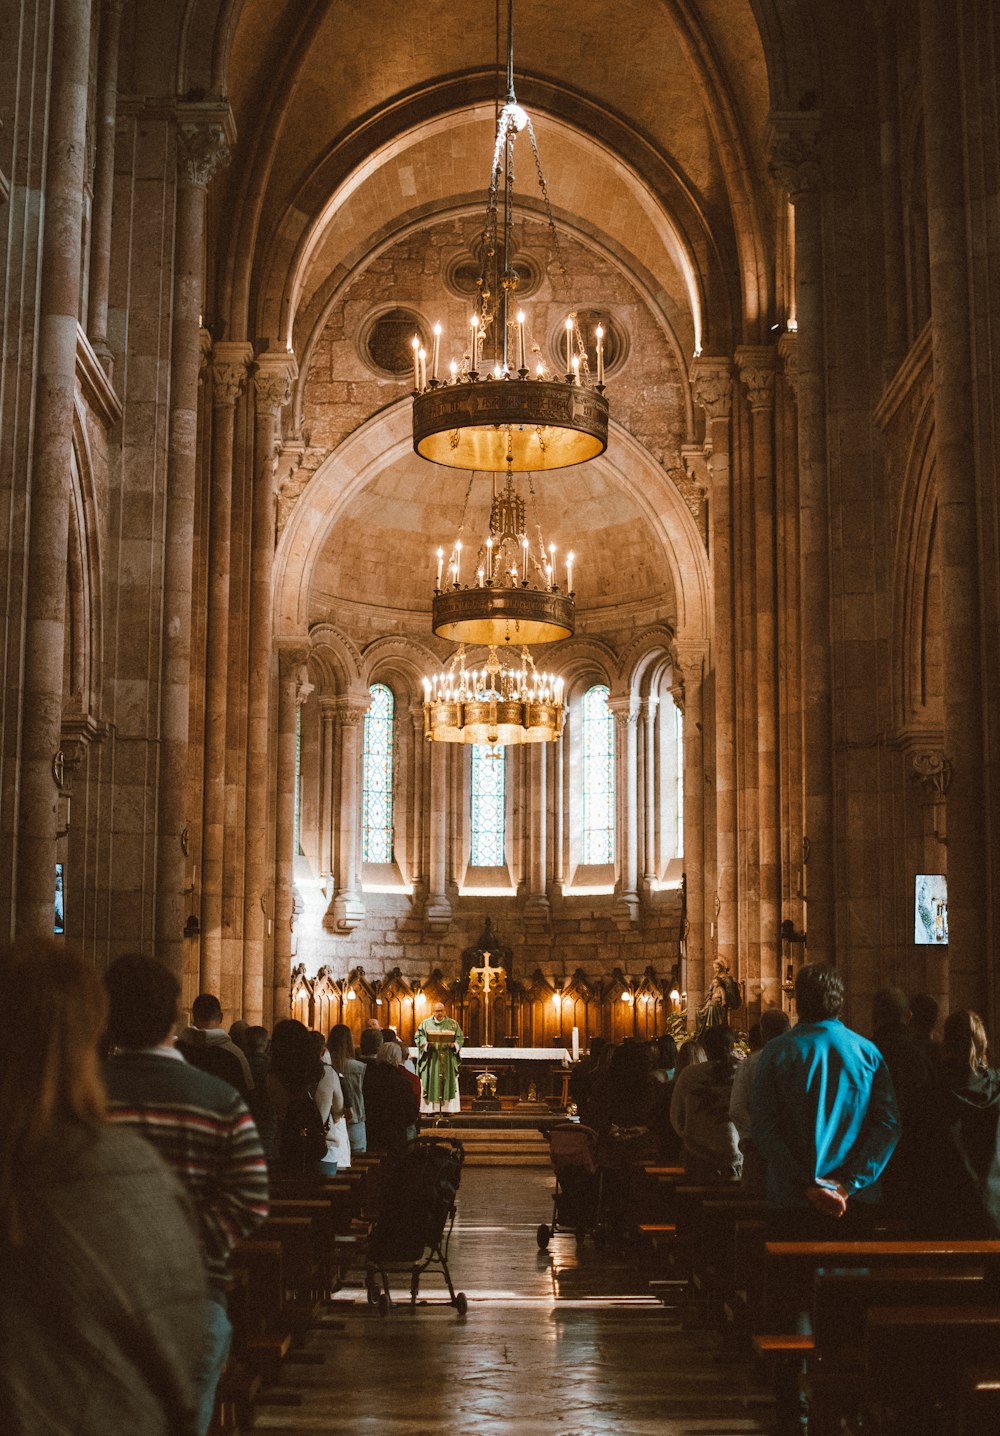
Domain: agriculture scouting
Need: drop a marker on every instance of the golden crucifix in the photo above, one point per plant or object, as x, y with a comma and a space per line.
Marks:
486, 975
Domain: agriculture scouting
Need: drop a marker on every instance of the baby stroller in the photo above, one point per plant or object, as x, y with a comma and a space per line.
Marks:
416, 1215
576, 1204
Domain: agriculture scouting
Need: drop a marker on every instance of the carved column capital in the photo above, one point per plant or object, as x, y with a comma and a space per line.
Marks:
793, 145
206, 134
711, 381
274, 375
229, 370
756, 364
932, 770
625, 712
788, 351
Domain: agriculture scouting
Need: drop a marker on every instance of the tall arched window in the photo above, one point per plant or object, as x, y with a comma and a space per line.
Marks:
598, 777
488, 806
376, 819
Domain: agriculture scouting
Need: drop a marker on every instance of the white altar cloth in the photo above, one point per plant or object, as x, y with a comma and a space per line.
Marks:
560, 1055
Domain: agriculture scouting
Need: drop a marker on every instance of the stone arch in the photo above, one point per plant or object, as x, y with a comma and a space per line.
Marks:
335, 660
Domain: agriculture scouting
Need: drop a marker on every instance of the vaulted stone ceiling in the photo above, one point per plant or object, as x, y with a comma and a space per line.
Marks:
364, 127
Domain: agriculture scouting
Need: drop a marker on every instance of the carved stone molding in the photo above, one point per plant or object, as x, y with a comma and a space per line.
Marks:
202, 150
793, 145
756, 364
274, 375
932, 770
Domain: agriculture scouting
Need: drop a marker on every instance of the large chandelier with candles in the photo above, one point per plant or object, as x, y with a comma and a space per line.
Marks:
491, 410
505, 701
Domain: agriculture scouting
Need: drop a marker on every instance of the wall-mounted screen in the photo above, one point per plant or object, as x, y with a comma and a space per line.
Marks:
930, 908
59, 909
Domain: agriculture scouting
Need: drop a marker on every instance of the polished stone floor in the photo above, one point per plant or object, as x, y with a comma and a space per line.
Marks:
559, 1343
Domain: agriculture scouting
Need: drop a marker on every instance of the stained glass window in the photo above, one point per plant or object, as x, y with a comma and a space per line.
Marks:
488, 806
598, 777
376, 793
679, 759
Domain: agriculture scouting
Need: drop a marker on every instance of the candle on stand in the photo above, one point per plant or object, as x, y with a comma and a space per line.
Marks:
454, 372
600, 353
423, 367
576, 368
458, 561
576, 1044
520, 339
552, 560
437, 351
569, 572
489, 559
479, 575
415, 345
475, 342
440, 558
569, 342
524, 551
539, 370
548, 575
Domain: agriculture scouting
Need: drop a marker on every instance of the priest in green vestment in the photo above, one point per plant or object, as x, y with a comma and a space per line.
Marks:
439, 1076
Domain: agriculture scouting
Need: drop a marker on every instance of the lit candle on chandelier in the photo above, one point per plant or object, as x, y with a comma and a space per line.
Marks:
437, 351
415, 345
569, 572
440, 559
479, 576
489, 559
552, 565
576, 368
454, 372
600, 353
423, 367
524, 550
475, 340
520, 340
569, 342
458, 561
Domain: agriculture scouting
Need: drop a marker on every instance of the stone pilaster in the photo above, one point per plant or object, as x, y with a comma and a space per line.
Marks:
229, 377
796, 168
757, 364
651, 808
104, 180
711, 378
625, 712
536, 909
437, 912
689, 665
348, 904
202, 148
273, 379
293, 689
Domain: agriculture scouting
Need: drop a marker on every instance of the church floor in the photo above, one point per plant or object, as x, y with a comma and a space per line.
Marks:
555, 1343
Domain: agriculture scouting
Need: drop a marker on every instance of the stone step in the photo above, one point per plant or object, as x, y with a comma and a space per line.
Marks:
497, 1146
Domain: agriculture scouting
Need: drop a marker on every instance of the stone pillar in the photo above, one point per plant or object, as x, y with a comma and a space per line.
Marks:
559, 840
202, 148
229, 374
536, 909
104, 180
418, 870
625, 712
437, 913
689, 667
958, 528
894, 287
757, 365
293, 689
48, 534
795, 166
348, 904
650, 873
327, 827
272, 390
711, 378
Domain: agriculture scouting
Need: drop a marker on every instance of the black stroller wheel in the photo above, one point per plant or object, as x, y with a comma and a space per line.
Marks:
372, 1292
543, 1236
461, 1303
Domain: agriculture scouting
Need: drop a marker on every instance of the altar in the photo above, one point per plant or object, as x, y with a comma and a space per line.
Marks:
516, 1069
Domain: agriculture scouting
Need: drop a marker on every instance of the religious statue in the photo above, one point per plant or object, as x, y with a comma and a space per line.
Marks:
439, 1041
723, 997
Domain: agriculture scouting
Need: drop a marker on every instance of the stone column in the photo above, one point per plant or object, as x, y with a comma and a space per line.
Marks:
327, 827
560, 858
712, 382
202, 148
689, 667
104, 180
228, 374
348, 904
789, 669
651, 872
293, 689
894, 287
536, 909
625, 712
48, 534
958, 526
795, 165
437, 913
273, 380
757, 365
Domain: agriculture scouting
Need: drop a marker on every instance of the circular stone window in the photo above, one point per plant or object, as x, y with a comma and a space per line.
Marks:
615, 342
463, 274
388, 340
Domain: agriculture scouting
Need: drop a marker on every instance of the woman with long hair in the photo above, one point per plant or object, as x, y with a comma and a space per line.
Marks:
340, 1045
961, 1144
295, 1141
103, 1307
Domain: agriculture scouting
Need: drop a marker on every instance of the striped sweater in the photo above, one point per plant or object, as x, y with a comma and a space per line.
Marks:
202, 1129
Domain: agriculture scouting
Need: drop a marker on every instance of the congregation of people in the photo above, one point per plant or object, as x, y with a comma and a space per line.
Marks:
135, 1154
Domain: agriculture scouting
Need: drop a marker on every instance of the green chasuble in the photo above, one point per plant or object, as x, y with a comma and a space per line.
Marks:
429, 1064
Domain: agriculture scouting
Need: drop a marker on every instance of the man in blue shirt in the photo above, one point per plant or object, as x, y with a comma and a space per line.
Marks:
824, 1113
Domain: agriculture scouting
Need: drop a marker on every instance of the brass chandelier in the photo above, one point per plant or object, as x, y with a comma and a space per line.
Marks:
490, 410
506, 701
